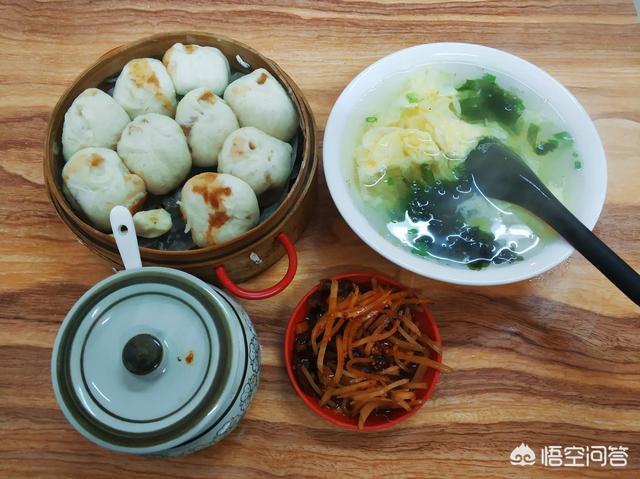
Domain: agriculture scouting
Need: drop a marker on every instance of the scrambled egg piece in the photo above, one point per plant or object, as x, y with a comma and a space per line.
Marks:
386, 148
422, 128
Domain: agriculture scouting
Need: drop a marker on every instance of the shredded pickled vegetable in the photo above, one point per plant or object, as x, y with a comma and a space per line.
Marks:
361, 350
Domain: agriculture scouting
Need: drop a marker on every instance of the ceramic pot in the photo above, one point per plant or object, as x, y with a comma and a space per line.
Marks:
154, 361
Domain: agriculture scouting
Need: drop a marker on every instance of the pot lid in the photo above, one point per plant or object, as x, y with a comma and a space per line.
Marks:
144, 356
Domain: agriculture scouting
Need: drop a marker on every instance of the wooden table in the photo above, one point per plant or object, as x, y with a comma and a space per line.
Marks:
552, 361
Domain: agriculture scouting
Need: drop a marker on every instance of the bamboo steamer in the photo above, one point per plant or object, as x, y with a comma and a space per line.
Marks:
224, 264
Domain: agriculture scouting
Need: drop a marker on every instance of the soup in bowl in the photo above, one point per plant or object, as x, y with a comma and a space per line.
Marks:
394, 158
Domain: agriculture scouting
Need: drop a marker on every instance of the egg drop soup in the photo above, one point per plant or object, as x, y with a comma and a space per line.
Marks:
409, 141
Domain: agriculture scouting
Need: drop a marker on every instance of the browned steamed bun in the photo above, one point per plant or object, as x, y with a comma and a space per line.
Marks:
152, 223
93, 119
263, 161
206, 121
95, 180
259, 100
217, 208
144, 86
154, 147
193, 66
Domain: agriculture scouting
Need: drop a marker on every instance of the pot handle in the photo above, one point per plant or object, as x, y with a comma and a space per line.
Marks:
236, 290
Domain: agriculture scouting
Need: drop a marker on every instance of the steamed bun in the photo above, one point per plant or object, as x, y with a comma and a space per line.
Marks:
154, 147
93, 119
95, 180
259, 100
152, 223
193, 66
206, 121
218, 208
263, 161
144, 86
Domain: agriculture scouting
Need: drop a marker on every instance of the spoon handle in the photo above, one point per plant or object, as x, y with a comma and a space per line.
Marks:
502, 174
591, 247
125, 234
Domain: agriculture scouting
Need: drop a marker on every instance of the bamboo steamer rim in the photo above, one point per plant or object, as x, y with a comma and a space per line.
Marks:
99, 241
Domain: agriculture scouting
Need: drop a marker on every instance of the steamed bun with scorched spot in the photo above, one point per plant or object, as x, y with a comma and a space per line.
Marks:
152, 223
93, 119
154, 147
263, 161
206, 121
259, 100
144, 86
218, 208
95, 180
193, 66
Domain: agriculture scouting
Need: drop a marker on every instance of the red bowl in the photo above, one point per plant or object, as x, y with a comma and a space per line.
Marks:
373, 423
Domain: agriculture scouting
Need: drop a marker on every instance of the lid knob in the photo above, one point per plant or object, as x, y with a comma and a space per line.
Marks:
142, 354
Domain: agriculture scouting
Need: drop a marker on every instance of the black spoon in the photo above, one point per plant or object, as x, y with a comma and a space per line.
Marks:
500, 173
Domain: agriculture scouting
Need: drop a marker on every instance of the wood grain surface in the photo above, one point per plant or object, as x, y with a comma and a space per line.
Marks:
552, 361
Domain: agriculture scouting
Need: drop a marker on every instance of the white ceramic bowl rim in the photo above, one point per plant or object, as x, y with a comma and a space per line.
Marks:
588, 143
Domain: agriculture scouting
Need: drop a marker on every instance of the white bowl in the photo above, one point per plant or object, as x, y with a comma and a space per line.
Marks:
589, 191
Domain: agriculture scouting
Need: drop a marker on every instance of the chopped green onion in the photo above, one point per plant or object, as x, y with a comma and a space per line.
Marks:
371, 119
546, 147
561, 138
564, 136
389, 181
413, 231
532, 135
577, 164
412, 97
420, 249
